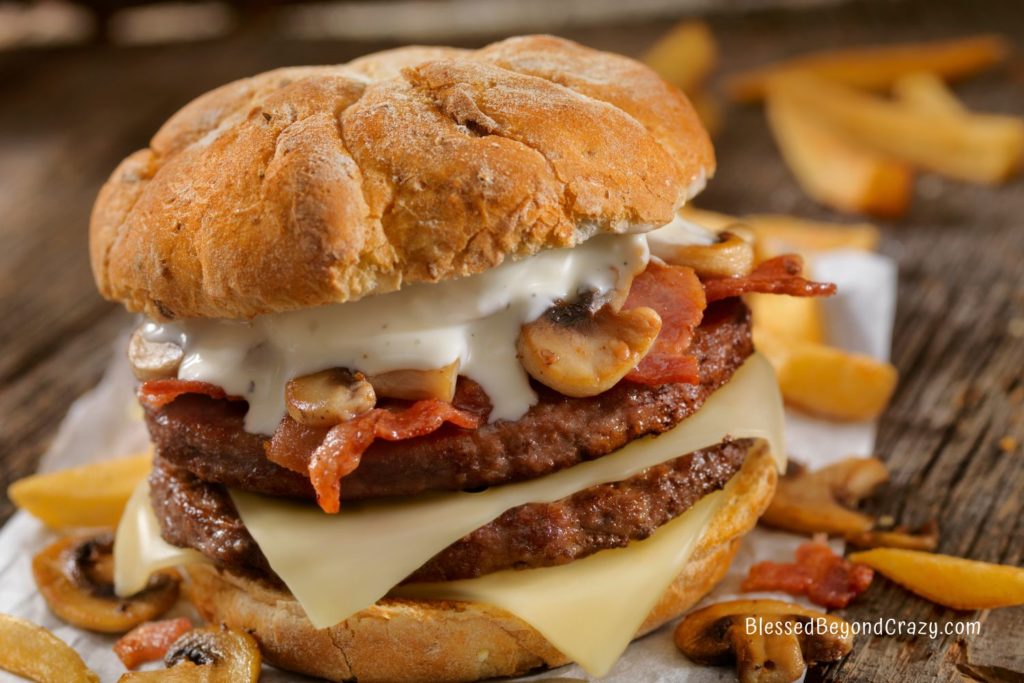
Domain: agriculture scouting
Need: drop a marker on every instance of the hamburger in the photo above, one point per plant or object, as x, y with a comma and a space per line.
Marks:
440, 385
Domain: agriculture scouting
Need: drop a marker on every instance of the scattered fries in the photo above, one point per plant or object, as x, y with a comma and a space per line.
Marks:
35, 653
789, 319
831, 169
89, 496
779, 234
828, 381
982, 148
927, 93
950, 581
878, 67
685, 56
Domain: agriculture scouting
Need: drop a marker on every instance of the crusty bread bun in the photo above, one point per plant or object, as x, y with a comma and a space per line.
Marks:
313, 185
400, 640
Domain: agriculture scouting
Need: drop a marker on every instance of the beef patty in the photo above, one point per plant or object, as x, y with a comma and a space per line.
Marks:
201, 515
206, 436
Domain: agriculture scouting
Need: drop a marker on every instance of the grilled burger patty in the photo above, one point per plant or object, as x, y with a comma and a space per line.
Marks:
206, 436
201, 515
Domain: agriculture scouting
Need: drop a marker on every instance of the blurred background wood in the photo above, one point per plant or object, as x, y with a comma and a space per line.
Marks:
951, 437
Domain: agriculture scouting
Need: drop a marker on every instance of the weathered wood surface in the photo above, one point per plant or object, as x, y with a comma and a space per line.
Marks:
68, 116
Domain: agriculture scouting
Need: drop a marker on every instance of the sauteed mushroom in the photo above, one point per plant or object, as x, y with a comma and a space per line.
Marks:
581, 352
771, 641
213, 654
329, 397
730, 256
153, 360
75, 577
417, 385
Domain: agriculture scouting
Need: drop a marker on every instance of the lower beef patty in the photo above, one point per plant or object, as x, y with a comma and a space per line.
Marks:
206, 436
197, 514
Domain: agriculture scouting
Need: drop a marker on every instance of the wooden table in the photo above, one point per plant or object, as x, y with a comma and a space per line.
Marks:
68, 116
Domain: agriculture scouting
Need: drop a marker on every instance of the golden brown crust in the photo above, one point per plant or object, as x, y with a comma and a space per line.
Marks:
434, 640
312, 185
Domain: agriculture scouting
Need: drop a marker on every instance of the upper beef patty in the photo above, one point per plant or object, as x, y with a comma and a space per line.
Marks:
206, 436
196, 514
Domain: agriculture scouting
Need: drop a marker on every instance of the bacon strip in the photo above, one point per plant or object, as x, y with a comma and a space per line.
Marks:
328, 455
675, 293
824, 577
780, 275
156, 393
149, 642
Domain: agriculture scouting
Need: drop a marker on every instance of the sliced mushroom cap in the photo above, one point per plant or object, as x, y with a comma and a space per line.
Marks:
75, 577
153, 360
731, 255
769, 639
328, 397
581, 352
214, 654
417, 385
809, 502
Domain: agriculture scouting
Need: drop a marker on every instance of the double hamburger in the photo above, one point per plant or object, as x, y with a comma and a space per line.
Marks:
440, 386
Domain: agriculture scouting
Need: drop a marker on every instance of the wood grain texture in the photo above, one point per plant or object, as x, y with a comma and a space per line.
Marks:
69, 115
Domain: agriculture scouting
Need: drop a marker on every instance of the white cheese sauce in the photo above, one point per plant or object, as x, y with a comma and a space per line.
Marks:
473, 320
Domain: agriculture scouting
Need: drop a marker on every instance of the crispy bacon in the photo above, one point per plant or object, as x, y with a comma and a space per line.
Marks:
780, 275
824, 577
675, 293
148, 642
328, 455
156, 393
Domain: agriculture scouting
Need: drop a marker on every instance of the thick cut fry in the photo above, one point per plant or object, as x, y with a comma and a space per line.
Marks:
982, 148
878, 67
685, 56
928, 94
833, 170
946, 580
38, 655
88, 496
829, 382
776, 234
792, 319
712, 220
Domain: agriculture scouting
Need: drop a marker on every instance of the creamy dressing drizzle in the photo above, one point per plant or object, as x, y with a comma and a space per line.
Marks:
473, 320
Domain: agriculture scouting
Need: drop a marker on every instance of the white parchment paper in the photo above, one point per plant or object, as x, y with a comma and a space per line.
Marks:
105, 423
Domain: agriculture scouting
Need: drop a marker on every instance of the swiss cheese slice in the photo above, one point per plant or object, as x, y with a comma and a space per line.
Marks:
589, 609
139, 550
336, 565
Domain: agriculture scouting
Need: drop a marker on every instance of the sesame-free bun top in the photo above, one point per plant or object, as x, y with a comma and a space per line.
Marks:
313, 185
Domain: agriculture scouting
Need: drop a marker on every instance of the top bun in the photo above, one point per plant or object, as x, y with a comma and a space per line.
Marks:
313, 185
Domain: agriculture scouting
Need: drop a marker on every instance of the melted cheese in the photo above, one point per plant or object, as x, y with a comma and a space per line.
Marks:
336, 565
341, 563
473, 320
591, 608
139, 551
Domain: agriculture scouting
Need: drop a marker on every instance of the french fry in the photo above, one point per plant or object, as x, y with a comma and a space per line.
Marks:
776, 234
828, 381
928, 94
685, 56
982, 148
36, 654
946, 580
878, 67
88, 496
791, 319
712, 220
833, 170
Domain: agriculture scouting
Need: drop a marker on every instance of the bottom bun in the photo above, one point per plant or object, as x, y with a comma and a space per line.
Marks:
401, 640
